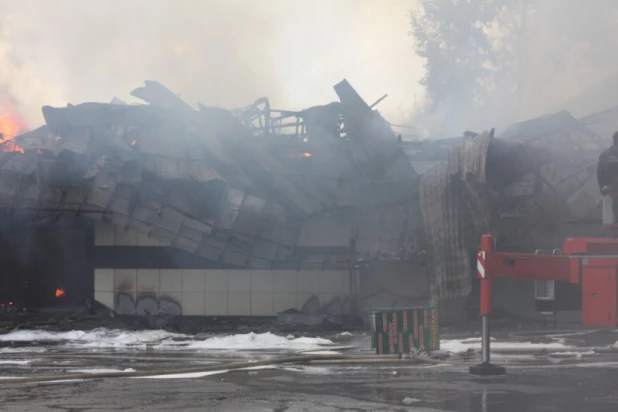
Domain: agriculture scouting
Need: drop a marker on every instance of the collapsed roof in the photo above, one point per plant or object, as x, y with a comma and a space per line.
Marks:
247, 187
202, 180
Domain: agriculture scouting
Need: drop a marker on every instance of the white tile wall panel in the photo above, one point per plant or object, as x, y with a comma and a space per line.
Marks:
262, 281
125, 279
226, 292
239, 280
170, 280
284, 301
216, 281
173, 296
308, 281
345, 280
327, 298
124, 303
216, 303
104, 280
106, 298
285, 281
193, 304
262, 304
103, 234
193, 280
238, 304
148, 280
302, 297
331, 281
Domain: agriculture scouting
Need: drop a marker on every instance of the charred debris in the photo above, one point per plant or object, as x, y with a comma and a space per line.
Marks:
243, 187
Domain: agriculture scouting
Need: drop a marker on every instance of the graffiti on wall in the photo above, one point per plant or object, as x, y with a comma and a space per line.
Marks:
147, 304
152, 304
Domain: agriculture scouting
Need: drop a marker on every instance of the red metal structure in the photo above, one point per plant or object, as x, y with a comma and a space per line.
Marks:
590, 262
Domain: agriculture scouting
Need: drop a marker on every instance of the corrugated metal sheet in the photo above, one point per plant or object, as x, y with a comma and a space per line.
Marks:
444, 218
455, 203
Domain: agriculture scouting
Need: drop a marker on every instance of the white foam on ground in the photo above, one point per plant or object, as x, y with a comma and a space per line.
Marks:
102, 338
248, 341
462, 345
97, 338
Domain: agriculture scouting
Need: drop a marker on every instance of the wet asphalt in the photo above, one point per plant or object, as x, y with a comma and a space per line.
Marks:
534, 382
375, 387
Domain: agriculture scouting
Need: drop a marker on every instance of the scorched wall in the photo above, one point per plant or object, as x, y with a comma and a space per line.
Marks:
130, 284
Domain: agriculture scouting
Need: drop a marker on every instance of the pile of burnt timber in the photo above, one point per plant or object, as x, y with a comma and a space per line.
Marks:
201, 180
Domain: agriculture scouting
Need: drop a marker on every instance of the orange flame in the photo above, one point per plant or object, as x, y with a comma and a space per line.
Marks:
60, 292
133, 142
11, 124
306, 154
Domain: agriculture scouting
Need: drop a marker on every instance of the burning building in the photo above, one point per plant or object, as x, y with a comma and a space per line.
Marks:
209, 212
160, 208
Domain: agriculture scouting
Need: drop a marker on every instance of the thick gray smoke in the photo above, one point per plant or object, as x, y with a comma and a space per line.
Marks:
562, 57
220, 52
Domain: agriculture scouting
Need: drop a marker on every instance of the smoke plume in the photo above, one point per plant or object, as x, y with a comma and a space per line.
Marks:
219, 52
560, 56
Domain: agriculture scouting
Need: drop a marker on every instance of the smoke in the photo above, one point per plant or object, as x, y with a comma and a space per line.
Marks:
563, 58
220, 52
229, 52
571, 46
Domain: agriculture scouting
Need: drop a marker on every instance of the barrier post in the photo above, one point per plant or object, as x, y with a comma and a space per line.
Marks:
485, 368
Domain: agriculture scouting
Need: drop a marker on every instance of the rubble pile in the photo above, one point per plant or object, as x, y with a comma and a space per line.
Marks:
201, 180
238, 186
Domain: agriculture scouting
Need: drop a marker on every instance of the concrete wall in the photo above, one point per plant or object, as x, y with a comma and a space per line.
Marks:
200, 292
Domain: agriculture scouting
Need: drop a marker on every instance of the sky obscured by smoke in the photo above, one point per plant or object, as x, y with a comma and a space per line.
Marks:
230, 52
572, 47
219, 52
568, 62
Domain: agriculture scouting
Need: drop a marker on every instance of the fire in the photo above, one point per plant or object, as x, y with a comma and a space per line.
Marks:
11, 124
133, 142
305, 154
60, 292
